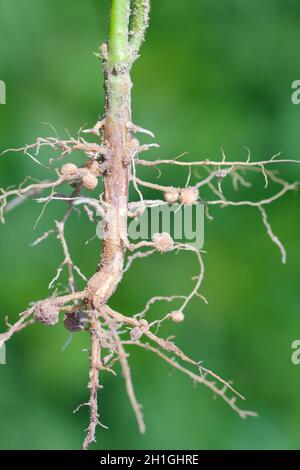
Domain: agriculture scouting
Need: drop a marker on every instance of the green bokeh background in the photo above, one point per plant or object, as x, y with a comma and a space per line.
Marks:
211, 73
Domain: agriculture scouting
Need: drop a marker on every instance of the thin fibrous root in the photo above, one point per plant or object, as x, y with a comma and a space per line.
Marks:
126, 374
93, 384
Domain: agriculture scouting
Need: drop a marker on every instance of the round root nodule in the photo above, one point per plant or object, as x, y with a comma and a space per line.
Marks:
189, 196
47, 313
163, 242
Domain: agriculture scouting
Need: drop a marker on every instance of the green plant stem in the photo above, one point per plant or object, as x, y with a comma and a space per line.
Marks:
118, 34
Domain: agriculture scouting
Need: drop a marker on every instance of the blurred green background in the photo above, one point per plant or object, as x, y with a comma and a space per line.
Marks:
210, 73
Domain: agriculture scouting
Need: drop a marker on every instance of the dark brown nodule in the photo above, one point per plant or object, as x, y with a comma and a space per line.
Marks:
74, 321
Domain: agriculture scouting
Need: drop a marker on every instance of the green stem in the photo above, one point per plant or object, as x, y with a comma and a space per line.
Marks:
118, 34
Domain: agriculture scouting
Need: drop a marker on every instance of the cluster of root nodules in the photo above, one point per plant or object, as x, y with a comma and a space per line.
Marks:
113, 333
